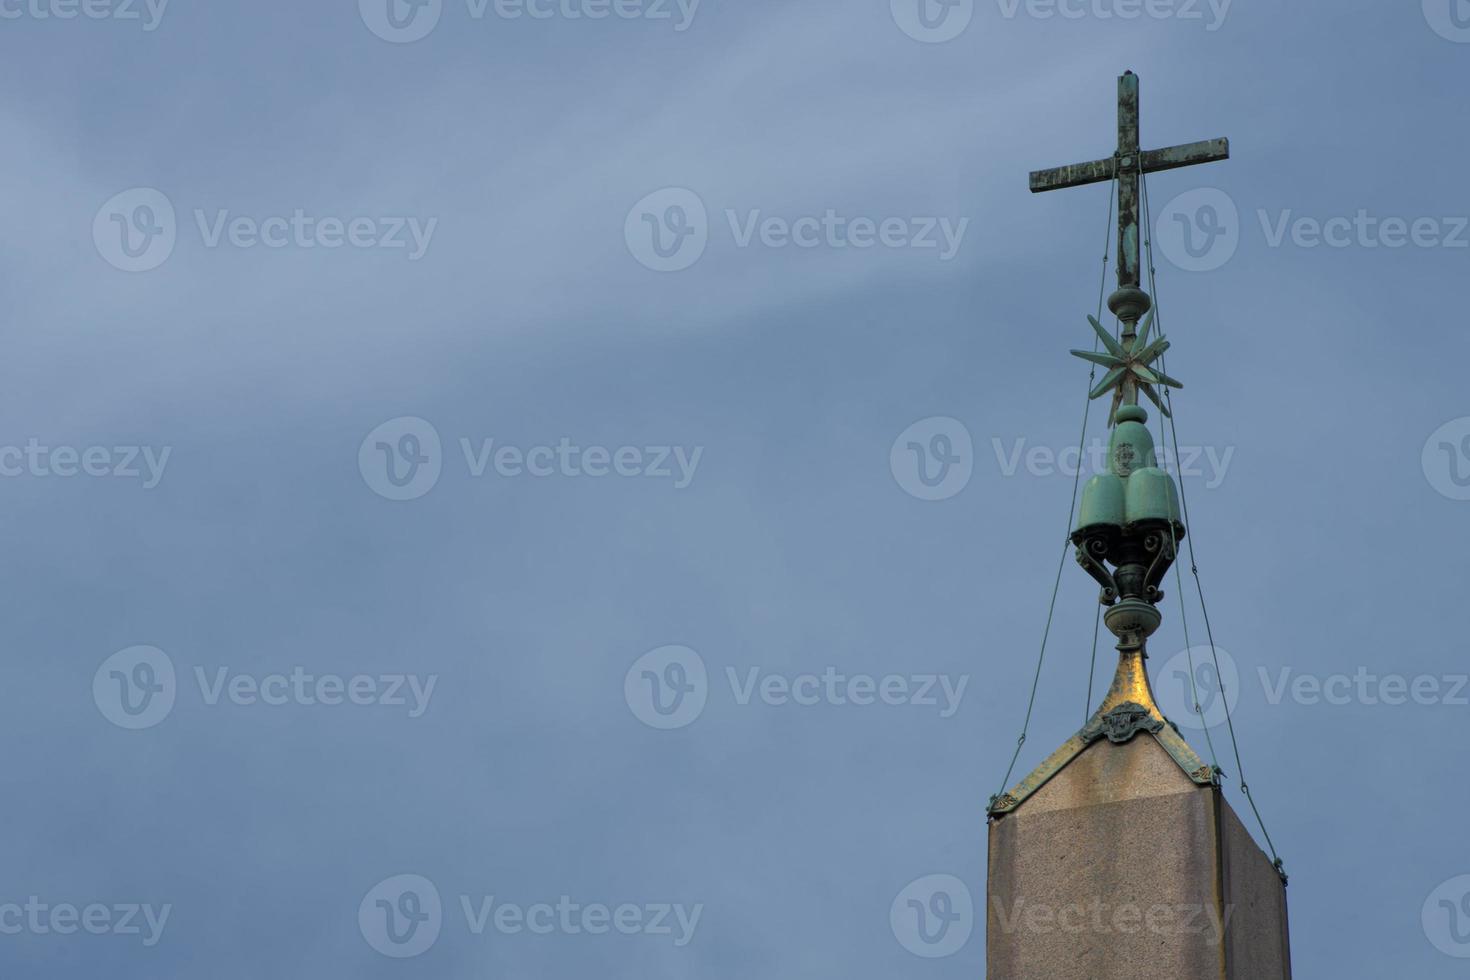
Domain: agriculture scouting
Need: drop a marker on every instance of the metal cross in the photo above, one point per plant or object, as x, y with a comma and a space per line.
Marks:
1128, 164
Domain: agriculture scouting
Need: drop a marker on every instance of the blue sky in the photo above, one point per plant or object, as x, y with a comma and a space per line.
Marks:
254, 676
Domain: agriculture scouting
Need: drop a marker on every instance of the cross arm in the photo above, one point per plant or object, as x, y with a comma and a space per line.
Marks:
1187, 155
1073, 175
1097, 171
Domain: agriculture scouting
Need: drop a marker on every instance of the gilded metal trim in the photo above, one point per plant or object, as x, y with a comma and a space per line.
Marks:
1131, 692
1122, 723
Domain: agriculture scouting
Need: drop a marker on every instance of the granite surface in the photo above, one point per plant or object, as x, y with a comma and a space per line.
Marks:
1121, 866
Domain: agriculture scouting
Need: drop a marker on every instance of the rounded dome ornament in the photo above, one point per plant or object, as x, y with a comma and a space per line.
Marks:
1129, 303
1132, 621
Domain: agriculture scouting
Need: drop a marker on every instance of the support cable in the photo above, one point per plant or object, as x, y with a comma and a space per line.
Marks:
1071, 509
1193, 562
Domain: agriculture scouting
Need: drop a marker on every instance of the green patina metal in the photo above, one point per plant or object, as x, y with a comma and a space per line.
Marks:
1129, 517
1128, 164
1129, 523
1097, 171
1129, 363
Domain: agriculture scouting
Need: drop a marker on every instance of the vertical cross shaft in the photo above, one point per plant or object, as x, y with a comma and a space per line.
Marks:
1128, 175
1127, 166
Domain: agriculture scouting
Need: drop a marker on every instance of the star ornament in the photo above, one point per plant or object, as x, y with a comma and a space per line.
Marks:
1128, 367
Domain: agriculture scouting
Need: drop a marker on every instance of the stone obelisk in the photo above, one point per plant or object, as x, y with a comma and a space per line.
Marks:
1119, 857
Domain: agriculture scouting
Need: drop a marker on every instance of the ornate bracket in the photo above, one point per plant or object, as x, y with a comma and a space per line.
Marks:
1001, 802
1122, 723
1164, 552
1090, 554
